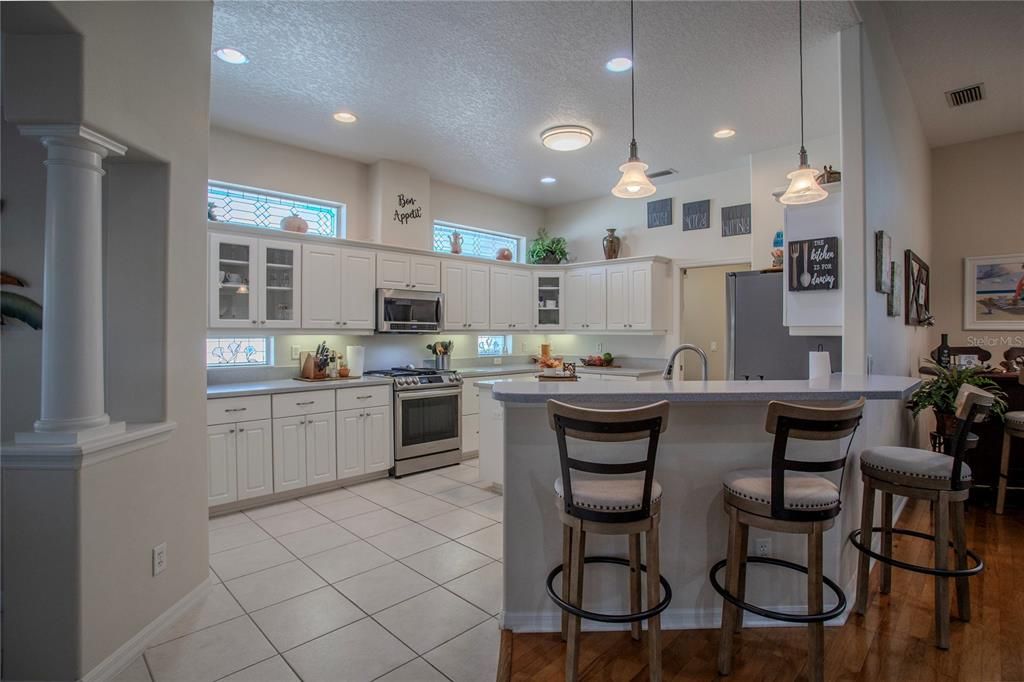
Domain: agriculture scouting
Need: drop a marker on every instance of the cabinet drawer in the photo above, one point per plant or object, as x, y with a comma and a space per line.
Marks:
303, 402
230, 410
368, 396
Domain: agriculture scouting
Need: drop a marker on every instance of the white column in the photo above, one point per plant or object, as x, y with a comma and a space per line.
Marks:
73, 405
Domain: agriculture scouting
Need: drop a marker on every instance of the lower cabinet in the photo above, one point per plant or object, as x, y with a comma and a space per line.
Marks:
289, 453
364, 441
321, 462
221, 464
239, 461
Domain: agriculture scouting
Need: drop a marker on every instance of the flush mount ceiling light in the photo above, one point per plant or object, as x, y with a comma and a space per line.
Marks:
634, 183
549, 180
619, 64
230, 55
566, 138
345, 117
724, 133
803, 182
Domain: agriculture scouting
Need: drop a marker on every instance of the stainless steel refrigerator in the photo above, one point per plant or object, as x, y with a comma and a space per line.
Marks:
760, 347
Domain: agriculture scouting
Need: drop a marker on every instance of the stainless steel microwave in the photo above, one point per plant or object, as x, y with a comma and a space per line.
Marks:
409, 312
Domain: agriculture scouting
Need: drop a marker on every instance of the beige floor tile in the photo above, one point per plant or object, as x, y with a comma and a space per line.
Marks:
227, 520
316, 539
374, 523
274, 509
406, 540
240, 561
429, 483
306, 617
223, 539
214, 578
137, 672
382, 587
271, 670
211, 653
457, 523
488, 541
386, 493
470, 657
446, 562
492, 508
462, 473
323, 498
346, 561
424, 508
342, 509
414, 671
273, 585
291, 522
464, 495
430, 619
472, 462
482, 587
216, 606
363, 650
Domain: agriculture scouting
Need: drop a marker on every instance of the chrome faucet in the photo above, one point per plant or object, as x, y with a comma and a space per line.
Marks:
667, 374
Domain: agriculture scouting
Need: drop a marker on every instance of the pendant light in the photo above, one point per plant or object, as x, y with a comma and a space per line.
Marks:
634, 183
803, 182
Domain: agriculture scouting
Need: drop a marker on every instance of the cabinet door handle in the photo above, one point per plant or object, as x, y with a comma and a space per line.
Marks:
241, 430
307, 402
336, 322
235, 409
302, 422
231, 431
254, 322
344, 323
363, 397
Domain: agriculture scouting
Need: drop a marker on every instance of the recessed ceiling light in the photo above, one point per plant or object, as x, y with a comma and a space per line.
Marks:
566, 138
345, 117
619, 64
230, 55
549, 180
724, 133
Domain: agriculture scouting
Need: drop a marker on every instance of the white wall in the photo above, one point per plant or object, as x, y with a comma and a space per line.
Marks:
400, 205
454, 204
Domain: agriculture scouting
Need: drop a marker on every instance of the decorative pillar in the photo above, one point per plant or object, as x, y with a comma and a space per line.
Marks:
73, 406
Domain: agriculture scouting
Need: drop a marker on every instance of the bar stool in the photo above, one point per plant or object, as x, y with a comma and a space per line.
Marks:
790, 497
599, 500
1013, 427
944, 480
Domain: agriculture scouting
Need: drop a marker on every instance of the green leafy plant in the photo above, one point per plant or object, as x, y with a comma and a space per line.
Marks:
546, 250
939, 393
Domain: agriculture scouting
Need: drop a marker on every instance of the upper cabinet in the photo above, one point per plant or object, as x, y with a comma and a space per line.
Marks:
358, 300
466, 287
279, 298
321, 283
406, 271
635, 292
511, 296
585, 298
548, 297
234, 281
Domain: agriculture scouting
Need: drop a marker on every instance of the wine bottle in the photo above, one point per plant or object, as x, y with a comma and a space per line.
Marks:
943, 351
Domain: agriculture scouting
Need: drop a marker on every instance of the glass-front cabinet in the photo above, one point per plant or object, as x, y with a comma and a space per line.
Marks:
548, 299
254, 282
280, 284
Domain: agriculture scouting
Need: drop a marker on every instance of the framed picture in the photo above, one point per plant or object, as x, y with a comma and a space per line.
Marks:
735, 220
917, 289
659, 213
994, 292
697, 215
883, 262
814, 264
894, 299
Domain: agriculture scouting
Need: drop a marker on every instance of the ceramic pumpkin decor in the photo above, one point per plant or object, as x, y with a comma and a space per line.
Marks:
294, 223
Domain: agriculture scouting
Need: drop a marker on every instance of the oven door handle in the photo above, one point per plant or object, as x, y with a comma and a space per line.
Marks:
438, 393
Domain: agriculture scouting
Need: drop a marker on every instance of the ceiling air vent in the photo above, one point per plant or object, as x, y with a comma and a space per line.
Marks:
662, 173
961, 96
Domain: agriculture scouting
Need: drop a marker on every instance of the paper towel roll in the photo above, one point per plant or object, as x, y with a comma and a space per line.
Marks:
819, 365
354, 355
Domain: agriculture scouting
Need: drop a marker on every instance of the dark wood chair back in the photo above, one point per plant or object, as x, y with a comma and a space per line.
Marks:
972, 406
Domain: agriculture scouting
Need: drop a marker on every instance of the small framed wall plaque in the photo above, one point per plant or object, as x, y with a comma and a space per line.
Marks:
735, 220
917, 291
814, 264
697, 215
883, 262
659, 213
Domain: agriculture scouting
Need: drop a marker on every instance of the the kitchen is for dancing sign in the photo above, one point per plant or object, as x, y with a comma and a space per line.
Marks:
813, 264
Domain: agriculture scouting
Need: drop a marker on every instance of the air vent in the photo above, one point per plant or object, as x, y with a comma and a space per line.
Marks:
961, 96
662, 173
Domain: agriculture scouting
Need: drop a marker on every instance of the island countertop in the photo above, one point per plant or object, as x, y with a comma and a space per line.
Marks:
836, 387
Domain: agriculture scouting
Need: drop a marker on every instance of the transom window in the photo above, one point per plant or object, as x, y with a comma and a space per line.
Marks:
475, 242
239, 351
493, 345
263, 208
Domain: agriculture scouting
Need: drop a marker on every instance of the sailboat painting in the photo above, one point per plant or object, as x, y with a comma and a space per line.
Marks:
994, 292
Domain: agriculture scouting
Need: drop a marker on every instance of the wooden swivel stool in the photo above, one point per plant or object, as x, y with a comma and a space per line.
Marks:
1013, 427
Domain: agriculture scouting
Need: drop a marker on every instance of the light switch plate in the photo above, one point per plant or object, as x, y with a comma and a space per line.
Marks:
295, 352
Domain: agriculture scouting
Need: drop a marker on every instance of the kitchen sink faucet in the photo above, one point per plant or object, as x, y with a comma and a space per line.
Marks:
667, 374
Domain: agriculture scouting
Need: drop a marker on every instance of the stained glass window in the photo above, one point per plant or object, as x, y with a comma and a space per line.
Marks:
475, 242
261, 208
493, 345
238, 351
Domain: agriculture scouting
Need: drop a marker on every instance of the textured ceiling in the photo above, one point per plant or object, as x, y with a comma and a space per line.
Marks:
464, 89
946, 45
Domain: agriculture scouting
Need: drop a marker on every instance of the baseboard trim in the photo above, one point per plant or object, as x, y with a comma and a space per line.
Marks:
130, 650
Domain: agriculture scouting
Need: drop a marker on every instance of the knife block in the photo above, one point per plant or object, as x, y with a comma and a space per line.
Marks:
307, 364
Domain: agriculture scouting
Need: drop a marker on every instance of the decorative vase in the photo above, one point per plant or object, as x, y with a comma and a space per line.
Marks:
294, 223
612, 243
456, 240
504, 254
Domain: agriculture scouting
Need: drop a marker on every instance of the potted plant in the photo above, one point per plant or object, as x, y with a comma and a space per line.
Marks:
545, 250
939, 393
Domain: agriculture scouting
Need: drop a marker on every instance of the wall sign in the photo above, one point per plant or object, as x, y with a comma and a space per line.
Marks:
407, 210
735, 220
659, 213
697, 215
814, 264
917, 288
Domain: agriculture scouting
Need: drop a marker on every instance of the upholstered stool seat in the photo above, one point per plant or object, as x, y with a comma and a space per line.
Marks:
603, 493
925, 468
803, 491
1014, 420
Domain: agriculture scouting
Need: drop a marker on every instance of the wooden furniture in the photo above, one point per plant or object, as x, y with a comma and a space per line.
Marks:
1012, 358
944, 480
789, 497
598, 500
983, 355
1013, 428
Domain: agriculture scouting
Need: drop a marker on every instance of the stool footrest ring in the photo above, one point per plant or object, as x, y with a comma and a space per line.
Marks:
608, 617
978, 567
778, 615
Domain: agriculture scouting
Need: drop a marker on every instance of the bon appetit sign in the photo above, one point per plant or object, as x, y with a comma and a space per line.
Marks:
813, 264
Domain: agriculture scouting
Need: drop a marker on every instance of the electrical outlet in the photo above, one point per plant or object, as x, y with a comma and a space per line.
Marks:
763, 546
295, 352
714, 346
600, 347
497, 361
159, 558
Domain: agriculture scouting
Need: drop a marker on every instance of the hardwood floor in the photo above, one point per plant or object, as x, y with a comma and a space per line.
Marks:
894, 641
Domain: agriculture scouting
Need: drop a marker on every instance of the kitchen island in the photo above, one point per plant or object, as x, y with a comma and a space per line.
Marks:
714, 427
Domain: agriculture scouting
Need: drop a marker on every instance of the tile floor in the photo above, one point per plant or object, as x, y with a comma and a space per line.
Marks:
387, 580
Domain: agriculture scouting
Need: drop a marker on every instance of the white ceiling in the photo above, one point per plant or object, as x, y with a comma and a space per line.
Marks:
947, 45
464, 89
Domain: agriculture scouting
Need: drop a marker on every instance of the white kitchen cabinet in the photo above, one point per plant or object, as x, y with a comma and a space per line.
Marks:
466, 288
629, 296
289, 453
407, 271
234, 282
586, 298
470, 433
254, 451
279, 298
364, 440
321, 450
221, 464
492, 438
377, 430
511, 296
321, 286
548, 300
358, 291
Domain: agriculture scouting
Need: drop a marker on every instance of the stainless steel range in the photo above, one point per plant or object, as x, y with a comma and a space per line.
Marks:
428, 418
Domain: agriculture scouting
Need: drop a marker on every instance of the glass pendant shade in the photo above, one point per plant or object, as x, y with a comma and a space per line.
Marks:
634, 183
803, 187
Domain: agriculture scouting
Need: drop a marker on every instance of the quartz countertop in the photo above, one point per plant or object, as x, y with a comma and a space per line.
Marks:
289, 386
498, 370
836, 387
